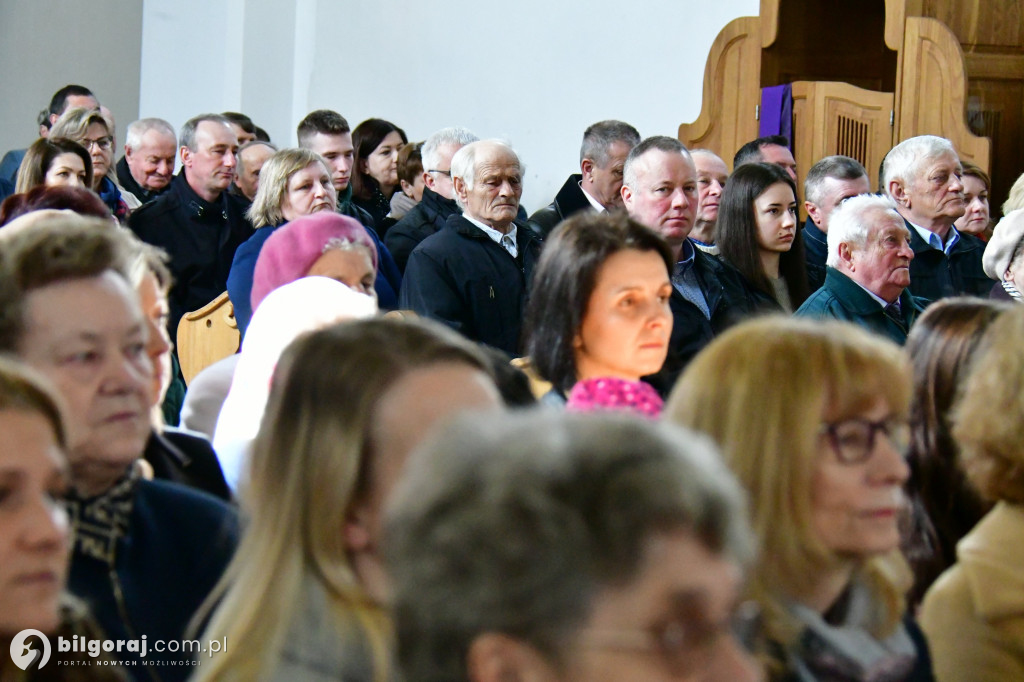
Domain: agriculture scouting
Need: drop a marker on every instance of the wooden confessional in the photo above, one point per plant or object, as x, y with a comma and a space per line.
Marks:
867, 75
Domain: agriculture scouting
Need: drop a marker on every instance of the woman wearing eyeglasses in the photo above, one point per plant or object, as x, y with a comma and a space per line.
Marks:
812, 419
89, 128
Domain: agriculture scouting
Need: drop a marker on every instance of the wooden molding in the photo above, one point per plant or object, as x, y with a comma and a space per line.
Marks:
732, 91
994, 66
932, 94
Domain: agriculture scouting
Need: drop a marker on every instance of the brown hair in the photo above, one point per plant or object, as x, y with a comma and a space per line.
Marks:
943, 345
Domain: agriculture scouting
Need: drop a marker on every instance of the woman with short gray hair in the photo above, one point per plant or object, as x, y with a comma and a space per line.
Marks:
572, 547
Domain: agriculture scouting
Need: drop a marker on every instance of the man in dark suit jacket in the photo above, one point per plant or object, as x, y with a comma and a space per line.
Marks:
196, 220
660, 191
474, 274
922, 175
598, 185
829, 183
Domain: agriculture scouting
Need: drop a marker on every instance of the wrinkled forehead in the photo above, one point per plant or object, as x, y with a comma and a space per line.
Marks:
708, 163
775, 153
883, 222
497, 158
256, 153
215, 132
155, 137
657, 166
103, 305
929, 163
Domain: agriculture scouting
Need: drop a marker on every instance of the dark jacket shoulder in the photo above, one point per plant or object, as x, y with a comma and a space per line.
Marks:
187, 458
424, 219
569, 200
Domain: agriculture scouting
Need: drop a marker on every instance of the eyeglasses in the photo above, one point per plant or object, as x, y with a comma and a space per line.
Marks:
686, 642
854, 439
447, 172
104, 143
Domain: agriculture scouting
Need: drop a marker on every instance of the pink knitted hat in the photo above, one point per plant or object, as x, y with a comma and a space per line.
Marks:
291, 250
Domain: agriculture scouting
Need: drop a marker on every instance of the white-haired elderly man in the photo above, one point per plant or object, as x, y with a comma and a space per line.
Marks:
147, 167
922, 175
868, 270
474, 274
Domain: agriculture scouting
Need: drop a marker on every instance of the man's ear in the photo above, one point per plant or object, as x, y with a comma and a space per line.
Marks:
846, 255
428, 180
460, 187
899, 193
186, 156
627, 195
813, 212
496, 657
587, 168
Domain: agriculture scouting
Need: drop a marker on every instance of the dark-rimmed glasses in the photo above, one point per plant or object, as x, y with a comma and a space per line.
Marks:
853, 440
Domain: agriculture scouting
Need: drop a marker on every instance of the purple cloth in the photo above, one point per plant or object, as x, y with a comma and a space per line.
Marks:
777, 112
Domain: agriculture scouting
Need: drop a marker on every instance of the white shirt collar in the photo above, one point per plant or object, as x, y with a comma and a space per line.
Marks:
506, 241
598, 206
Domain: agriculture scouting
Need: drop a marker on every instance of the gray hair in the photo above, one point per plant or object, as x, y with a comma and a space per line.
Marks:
136, 129
266, 205
838, 167
515, 526
662, 143
239, 163
851, 223
904, 161
187, 136
443, 138
464, 162
601, 135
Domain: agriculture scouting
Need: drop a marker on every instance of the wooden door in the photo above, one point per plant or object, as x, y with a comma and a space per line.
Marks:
839, 118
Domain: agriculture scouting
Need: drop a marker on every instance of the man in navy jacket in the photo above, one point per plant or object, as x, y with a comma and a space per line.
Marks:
474, 274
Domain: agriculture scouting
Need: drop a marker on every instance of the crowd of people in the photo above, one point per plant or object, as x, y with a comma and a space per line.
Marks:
658, 429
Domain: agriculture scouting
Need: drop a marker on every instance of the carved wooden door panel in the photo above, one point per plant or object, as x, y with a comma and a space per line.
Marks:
839, 118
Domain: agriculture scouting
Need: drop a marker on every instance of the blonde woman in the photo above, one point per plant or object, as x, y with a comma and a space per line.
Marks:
89, 128
302, 597
812, 419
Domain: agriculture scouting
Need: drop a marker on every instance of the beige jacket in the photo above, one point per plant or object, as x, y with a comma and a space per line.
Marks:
973, 615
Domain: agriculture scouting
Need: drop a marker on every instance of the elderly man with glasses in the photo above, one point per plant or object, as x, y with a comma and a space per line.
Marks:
438, 201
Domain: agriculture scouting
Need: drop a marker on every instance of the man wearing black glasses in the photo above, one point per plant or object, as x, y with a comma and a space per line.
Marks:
438, 201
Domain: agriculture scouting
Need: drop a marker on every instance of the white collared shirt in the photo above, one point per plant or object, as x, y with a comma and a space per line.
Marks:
505, 241
598, 206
